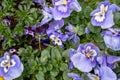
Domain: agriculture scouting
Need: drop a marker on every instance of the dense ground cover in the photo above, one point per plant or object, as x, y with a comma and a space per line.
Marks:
59, 39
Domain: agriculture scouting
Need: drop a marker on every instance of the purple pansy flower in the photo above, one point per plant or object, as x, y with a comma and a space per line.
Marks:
12, 50
112, 38
58, 38
102, 73
108, 60
29, 31
74, 76
63, 8
10, 66
103, 15
35, 29
55, 34
46, 11
72, 34
85, 57
8, 20
55, 26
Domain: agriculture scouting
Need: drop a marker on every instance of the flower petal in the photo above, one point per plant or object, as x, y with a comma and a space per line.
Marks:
114, 8
108, 21
75, 6
112, 59
81, 62
112, 42
74, 76
107, 73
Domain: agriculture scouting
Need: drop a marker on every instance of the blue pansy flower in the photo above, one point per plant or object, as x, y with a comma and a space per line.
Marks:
72, 34
10, 66
55, 34
63, 8
55, 26
112, 38
85, 57
46, 11
102, 73
58, 38
108, 60
103, 15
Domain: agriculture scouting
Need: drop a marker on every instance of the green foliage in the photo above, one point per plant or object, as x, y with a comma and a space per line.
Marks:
49, 63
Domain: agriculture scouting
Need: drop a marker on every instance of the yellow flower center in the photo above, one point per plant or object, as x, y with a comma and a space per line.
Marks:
64, 2
56, 39
97, 78
1, 78
88, 54
8, 64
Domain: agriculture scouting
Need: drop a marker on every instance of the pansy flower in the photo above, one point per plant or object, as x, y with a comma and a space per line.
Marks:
29, 31
9, 20
112, 38
58, 38
35, 29
103, 15
55, 26
108, 60
102, 73
55, 34
63, 8
10, 66
85, 57
46, 11
72, 34
12, 50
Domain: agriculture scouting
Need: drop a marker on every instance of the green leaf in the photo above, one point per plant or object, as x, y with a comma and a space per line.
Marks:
40, 75
65, 76
93, 29
55, 53
65, 53
45, 55
79, 29
117, 18
63, 67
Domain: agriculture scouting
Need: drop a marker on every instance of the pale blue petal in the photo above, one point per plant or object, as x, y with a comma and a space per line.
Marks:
118, 79
70, 27
107, 73
47, 17
102, 60
58, 15
112, 59
80, 61
16, 72
112, 42
75, 6
108, 21
114, 8
74, 76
